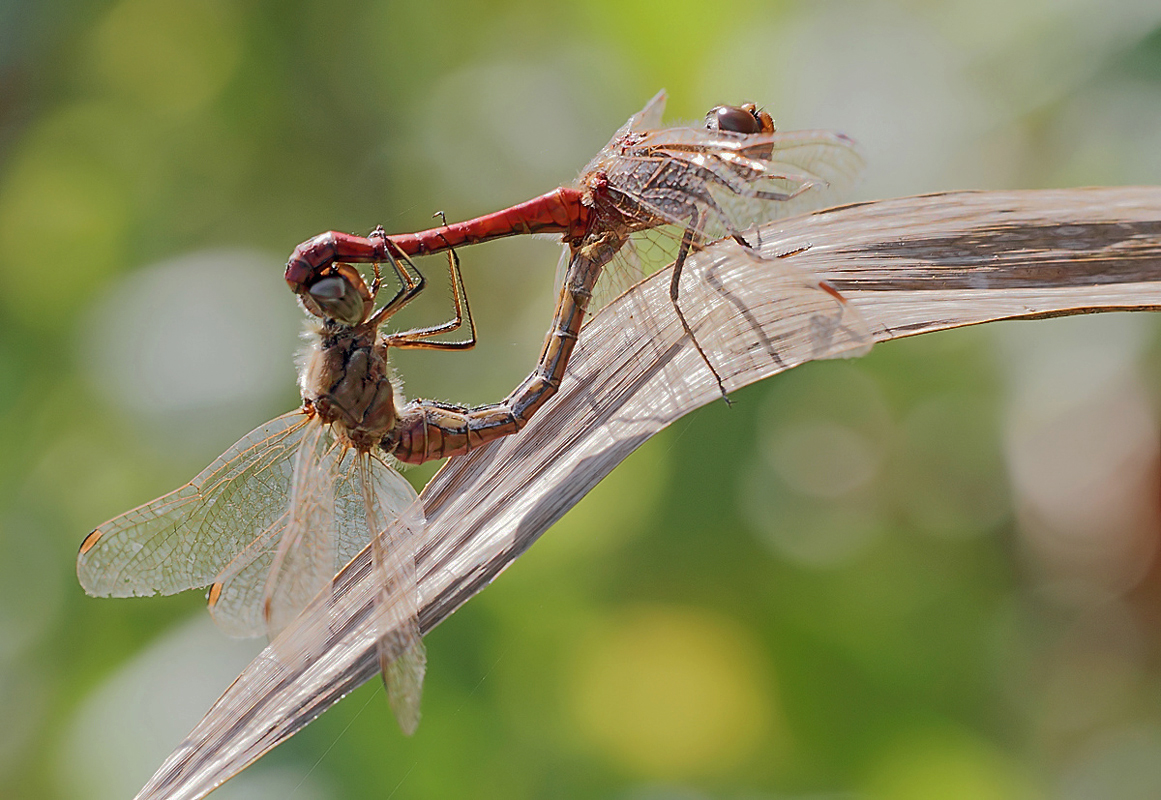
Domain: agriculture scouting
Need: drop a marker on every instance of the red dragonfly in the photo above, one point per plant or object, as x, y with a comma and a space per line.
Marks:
692, 184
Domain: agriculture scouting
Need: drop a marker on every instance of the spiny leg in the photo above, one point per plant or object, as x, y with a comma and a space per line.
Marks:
377, 279
411, 281
674, 289
416, 337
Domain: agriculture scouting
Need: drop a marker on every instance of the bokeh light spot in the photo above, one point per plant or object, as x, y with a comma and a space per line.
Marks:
1119, 764
810, 494
22, 702
953, 483
31, 587
1082, 445
819, 458
672, 692
123, 728
195, 342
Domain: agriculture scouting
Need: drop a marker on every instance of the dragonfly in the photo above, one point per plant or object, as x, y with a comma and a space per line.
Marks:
271, 521
690, 185
269, 524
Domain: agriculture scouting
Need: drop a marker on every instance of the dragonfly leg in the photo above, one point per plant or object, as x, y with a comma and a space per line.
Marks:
416, 338
411, 280
674, 290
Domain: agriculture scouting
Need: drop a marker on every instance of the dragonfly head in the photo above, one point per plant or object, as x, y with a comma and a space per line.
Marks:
746, 118
339, 293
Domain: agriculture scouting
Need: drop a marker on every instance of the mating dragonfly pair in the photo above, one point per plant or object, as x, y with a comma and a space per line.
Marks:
271, 521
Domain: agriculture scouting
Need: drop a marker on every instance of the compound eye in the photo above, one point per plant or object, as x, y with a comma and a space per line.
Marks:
732, 119
336, 299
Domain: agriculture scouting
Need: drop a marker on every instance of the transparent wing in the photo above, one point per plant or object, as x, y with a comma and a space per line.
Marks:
235, 597
393, 498
664, 180
646, 119
182, 540
731, 181
644, 253
324, 524
722, 184
818, 322
270, 582
832, 329
303, 563
395, 513
365, 496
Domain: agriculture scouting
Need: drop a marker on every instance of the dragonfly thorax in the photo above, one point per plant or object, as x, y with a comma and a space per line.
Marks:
344, 376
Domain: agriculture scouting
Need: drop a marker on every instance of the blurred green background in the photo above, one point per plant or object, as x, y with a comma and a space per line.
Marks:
928, 573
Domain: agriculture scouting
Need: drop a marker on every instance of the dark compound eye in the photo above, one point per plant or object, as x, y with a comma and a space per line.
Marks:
337, 299
733, 119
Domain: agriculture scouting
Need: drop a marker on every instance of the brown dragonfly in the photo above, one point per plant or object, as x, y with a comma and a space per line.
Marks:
275, 517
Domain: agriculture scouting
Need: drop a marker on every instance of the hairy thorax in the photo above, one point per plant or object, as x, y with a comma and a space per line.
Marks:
346, 380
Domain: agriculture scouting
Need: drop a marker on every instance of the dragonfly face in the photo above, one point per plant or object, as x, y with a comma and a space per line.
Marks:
338, 294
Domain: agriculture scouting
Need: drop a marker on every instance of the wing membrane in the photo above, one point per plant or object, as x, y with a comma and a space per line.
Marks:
304, 561
734, 182
183, 539
349, 495
270, 523
728, 183
323, 527
395, 514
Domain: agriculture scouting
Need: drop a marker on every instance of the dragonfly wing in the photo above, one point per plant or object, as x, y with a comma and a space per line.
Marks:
394, 513
182, 540
262, 587
835, 329
643, 253
809, 169
726, 184
303, 561
343, 500
403, 662
647, 118
237, 593
734, 182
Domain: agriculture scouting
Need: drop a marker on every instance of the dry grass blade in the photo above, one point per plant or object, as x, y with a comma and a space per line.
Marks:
907, 266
